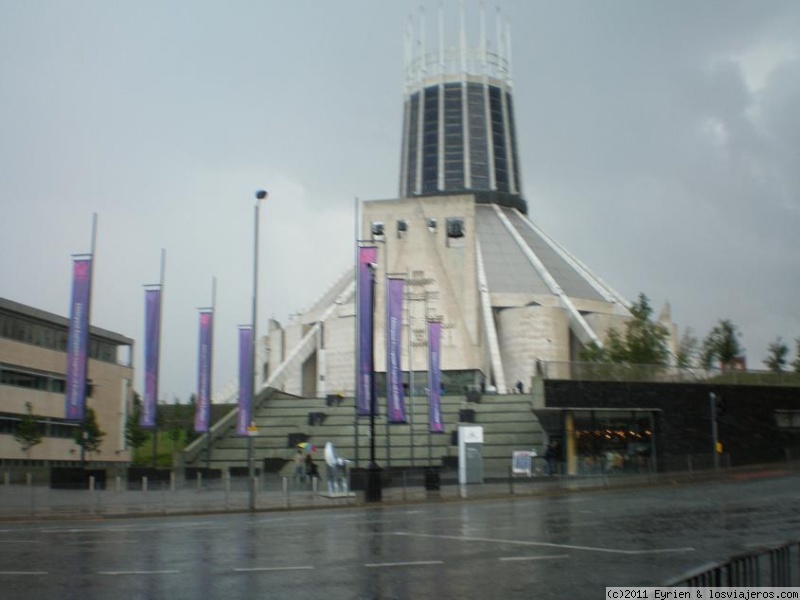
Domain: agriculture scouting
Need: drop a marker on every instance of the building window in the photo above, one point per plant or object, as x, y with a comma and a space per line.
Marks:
787, 419
377, 231
402, 229
455, 232
49, 427
24, 378
53, 337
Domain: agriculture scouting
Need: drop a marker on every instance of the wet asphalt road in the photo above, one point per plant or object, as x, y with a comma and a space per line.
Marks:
559, 546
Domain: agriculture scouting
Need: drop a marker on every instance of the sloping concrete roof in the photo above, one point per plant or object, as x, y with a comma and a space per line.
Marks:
508, 269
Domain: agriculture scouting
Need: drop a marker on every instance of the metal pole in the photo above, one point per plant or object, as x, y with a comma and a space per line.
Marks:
712, 397
155, 439
260, 195
158, 342
84, 433
386, 348
211, 370
410, 363
373, 491
356, 272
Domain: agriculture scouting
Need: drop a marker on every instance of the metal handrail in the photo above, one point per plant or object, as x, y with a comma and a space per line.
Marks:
773, 565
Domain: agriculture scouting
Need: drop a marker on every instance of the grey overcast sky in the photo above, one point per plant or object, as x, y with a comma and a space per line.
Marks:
660, 144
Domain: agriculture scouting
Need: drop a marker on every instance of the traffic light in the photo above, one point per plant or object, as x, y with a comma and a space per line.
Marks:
719, 406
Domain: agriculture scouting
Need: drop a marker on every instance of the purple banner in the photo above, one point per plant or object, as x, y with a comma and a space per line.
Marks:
394, 329
78, 339
152, 334
203, 407
434, 378
365, 392
245, 380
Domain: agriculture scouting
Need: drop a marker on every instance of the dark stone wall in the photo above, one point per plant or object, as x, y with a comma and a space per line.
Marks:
747, 430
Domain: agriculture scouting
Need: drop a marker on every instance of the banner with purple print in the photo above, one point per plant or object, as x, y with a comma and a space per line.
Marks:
78, 339
203, 406
245, 380
365, 392
394, 328
434, 378
152, 325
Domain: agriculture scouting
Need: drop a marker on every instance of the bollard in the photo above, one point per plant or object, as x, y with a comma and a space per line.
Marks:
29, 479
91, 483
405, 486
118, 484
199, 481
144, 483
172, 481
314, 484
286, 491
7, 478
227, 488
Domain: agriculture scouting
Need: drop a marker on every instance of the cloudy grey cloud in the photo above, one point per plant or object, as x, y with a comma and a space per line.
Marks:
659, 141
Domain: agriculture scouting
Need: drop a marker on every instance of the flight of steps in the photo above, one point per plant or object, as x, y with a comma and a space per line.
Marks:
283, 421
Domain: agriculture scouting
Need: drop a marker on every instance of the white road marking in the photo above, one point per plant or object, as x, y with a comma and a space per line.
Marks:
257, 569
417, 563
547, 544
137, 572
23, 573
548, 557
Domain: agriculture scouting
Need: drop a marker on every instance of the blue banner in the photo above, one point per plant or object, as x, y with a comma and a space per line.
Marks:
152, 326
203, 407
78, 339
245, 380
365, 280
394, 330
434, 378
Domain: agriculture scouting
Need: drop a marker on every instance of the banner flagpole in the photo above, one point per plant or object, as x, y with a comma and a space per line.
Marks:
154, 299
78, 340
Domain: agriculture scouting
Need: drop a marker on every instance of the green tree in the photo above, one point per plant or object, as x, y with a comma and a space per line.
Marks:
796, 361
175, 429
706, 356
643, 341
29, 431
723, 343
89, 436
191, 434
135, 436
687, 349
776, 357
594, 353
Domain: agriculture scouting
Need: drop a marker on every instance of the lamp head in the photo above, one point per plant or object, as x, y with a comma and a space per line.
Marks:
261, 194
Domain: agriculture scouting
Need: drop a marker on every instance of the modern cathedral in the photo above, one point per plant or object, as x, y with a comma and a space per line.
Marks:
509, 298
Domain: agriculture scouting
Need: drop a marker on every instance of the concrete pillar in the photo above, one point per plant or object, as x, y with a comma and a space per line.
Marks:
571, 445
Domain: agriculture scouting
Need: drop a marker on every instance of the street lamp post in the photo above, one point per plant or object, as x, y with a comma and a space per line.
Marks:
260, 195
373, 491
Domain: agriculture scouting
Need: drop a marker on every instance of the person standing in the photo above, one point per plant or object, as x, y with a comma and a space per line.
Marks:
299, 467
